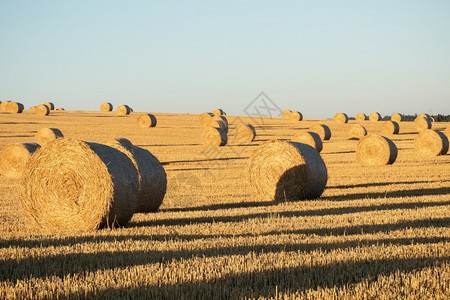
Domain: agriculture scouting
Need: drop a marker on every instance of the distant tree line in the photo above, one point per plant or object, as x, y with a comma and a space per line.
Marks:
437, 118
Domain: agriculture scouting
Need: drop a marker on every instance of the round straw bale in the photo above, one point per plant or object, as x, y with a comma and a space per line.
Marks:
396, 117
214, 136
146, 120
3, 106
205, 118
60, 109
106, 106
46, 135
151, 174
218, 112
42, 110
282, 171
360, 117
244, 133
340, 118
286, 114
447, 132
219, 124
425, 116
322, 130
296, 116
70, 185
374, 117
14, 107
32, 108
422, 123
390, 127
123, 110
220, 118
14, 157
356, 131
376, 150
431, 143
50, 105
309, 138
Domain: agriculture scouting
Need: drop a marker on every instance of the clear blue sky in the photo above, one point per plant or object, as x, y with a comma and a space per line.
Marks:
318, 57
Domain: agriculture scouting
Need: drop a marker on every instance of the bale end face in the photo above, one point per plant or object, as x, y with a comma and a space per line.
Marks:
296, 116
46, 135
286, 114
356, 131
42, 110
376, 150
146, 121
50, 105
213, 136
422, 123
396, 117
123, 110
14, 107
309, 138
218, 112
431, 143
106, 106
374, 117
205, 118
340, 118
244, 134
14, 157
390, 127
360, 117
322, 130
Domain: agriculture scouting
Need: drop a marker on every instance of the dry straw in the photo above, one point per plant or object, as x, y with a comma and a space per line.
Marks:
14, 107
356, 131
46, 135
218, 112
151, 174
50, 105
296, 116
374, 117
286, 114
106, 106
360, 117
340, 118
396, 117
123, 110
219, 124
244, 133
422, 123
309, 138
214, 136
286, 171
390, 127
205, 118
447, 132
146, 120
70, 185
425, 116
3, 106
322, 130
376, 150
431, 143
32, 108
14, 157
42, 110
60, 109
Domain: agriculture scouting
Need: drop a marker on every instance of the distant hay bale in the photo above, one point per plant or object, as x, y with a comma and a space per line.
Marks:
106, 106
322, 130
123, 110
219, 118
70, 185
32, 108
218, 112
151, 174
214, 136
431, 143
219, 124
374, 117
390, 127
3, 106
360, 117
340, 118
205, 118
286, 114
244, 133
356, 131
424, 116
46, 135
42, 110
60, 109
422, 123
146, 120
309, 138
14, 157
396, 117
296, 116
50, 105
284, 171
14, 107
376, 150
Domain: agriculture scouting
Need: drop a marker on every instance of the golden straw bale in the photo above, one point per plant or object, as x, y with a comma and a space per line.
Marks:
219, 124
50, 105
390, 127
42, 110
374, 117
296, 116
214, 136
356, 131
218, 112
46, 135
283, 171
32, 108
396, 117
425, 116
3, 106
244, 133
205, 118
360, 117
431, 143
286, 114
70, 185
422, 123
309, 138
106, 106
123, 110
60, 109
447, 132
340, 118
14, 157
14, 107
219, 118
322, 130
146, 120
376, 150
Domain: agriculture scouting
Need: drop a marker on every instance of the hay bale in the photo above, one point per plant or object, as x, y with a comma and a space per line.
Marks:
14, 107
296, 116
106, 106
151, 174
356, 131
123, 110
70, 185
376, 150
424, 116
360, 117
431, 143
374, 117
422, 123
32, 108
396, 117
219, 124
3, 106
146, 120
60, 109
42, 110
286, 171
46, 135
214, 136
218, 112
447, 132
50, 105
322, 130
390, 127
218, 118
205, 118
286, 114
309, 138
340, 118
14, 157
244, 133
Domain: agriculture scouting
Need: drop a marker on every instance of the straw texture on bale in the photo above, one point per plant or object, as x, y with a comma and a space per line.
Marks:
422, 123
286, 114
205, 118
218, 112
14, 157
322, 130
296, 116
50, 105
14, 107
447, 132
356, 131
374, 117
146, 120
219, 124
244, 133
3, 106
123, 110
151, 174
106, 106
70, 185
46, 135
360, 117
219, 118
425, 116
376, 150
396, 117
390, 127
340, 118
42, 110
431, 143
282, 171
214, 136
309, 138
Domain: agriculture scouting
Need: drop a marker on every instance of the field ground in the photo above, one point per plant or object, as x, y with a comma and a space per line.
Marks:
379, 232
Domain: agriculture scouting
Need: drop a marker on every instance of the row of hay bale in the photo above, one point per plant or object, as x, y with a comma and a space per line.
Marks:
292, 115
17, 108
11, 107
122, 109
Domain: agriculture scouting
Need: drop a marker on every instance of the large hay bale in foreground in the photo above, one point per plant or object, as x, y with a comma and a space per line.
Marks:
151, 174
286, 114
50, 105
214, 136
422, 123
309, 138
244, 133
431, 143
146, 120
205, 118
296, 116
123, 110
70, 185
14, 157
218, 112
14, 107
390, 127
286, 171
356, 131
106, 106
42, 110
46, 135
376, 150
374, 117
396, 117
340, 118
3, 106
322, 130
360, 117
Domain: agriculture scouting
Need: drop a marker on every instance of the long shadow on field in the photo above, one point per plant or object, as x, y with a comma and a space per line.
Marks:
341, 152
168, 145
382, 184
201, 160
15, 136
222, 206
